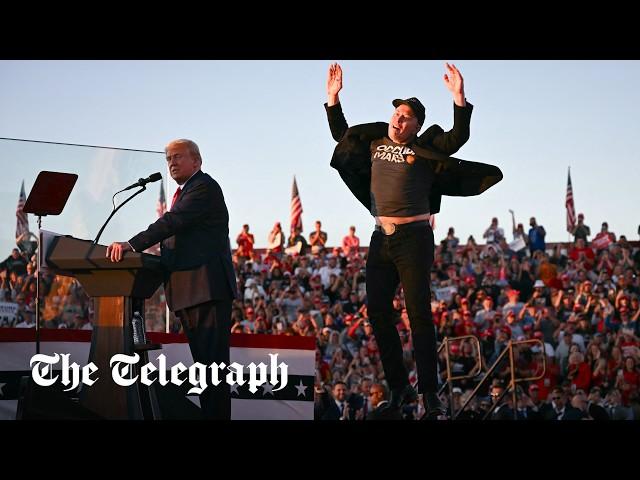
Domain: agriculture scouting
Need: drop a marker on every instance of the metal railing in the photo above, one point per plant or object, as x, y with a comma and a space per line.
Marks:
450, 379
509, 350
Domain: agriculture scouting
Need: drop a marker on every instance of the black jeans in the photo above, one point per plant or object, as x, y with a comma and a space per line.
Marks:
405, 256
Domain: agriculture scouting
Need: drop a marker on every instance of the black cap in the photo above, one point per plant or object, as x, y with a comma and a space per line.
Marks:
415, 105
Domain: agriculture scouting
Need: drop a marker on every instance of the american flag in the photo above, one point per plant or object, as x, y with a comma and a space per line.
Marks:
296, 207
571, 209
22, 223
161, 206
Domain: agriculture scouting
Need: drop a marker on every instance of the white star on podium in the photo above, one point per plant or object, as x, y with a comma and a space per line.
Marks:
267, 389
301, 389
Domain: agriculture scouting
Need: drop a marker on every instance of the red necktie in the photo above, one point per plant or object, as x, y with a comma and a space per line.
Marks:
175, 197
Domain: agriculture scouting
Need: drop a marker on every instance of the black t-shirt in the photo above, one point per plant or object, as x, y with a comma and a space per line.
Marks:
400, 181
581, 231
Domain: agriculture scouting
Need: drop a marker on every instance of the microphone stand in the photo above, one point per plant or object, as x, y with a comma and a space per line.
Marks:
95, 242
38, 275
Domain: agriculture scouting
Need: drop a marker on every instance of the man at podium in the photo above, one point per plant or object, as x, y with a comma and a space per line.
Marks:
195, 249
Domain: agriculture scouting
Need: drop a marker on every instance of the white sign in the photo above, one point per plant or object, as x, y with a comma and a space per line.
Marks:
518, 244
8, 313
446, 293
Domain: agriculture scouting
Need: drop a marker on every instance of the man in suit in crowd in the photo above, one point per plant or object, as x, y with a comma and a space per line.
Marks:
195, 249
559, 409
337, 405
379, 398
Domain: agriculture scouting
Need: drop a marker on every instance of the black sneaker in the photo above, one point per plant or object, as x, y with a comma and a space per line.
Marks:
399, 398
433, 406
404, 396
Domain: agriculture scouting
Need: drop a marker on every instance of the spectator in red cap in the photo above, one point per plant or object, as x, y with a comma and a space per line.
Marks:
248, 322
484, 318
604, 238
487, 340
513, 304
470, 281
534, 395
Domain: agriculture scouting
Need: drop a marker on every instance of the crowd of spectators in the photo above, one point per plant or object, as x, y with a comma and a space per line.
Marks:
580, 300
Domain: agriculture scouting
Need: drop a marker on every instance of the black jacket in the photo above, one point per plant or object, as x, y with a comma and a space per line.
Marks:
455, 177
548, 413
327, 409
379, 413
195, 245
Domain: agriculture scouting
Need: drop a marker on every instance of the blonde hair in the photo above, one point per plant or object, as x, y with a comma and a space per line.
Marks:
191, 145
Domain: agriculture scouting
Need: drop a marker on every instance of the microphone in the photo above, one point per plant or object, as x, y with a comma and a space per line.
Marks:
143, 181
140, 183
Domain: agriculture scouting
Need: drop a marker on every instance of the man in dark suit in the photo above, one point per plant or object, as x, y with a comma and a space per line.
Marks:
337, 405
379, 399
559, 409
400, 178
196, 251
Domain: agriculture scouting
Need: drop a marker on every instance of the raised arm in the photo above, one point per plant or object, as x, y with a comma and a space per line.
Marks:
455, 84
451, 141
334, 84
337, 122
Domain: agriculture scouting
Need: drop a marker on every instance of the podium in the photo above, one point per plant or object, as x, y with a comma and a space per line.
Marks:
118, 290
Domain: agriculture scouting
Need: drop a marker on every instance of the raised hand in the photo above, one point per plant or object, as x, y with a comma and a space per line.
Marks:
455, 84
334, 83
